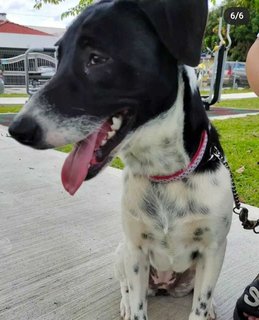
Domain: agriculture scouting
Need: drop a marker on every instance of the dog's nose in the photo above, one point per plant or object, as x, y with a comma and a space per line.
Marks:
25, 130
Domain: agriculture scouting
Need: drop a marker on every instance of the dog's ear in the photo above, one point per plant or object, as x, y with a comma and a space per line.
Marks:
180, 24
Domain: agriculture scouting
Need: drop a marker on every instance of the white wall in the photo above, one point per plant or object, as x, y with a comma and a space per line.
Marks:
15, 40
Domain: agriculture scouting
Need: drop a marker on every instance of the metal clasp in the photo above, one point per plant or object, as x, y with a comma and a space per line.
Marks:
246, 223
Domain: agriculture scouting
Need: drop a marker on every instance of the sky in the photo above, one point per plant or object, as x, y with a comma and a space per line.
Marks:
22, 12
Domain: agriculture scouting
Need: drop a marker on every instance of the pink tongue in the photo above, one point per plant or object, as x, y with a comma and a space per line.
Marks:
76, 165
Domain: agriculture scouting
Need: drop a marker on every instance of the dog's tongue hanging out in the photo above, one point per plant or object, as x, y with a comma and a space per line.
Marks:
76, 165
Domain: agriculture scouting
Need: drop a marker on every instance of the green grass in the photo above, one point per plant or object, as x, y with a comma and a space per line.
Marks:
10, 108
227, 91
14, 95
249, 103
240, 140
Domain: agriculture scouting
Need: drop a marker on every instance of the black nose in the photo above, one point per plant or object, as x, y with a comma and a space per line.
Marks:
26, 130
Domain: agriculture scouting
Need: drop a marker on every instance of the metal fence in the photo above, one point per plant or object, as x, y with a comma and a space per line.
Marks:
14, 67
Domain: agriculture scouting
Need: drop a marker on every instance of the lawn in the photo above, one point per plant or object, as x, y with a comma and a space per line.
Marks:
249, 103
14, 95
240, 140
10, 108
228, 91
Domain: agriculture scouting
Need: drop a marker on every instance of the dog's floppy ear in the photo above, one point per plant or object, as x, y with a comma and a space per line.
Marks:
180, 24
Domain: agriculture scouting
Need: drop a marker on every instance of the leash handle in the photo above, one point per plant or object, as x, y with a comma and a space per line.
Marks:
238, 209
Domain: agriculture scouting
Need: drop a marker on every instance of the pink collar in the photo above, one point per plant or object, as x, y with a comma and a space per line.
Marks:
184, 173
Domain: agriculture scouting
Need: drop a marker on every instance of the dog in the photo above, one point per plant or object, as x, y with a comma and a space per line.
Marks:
125, 84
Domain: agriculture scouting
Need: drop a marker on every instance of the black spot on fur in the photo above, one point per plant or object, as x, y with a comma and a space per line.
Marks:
209, 293
149, 206
197, 312
204, 210
197, 238
205, 313
148, 236
136, 268
180, 212
195, 255
203, 305
140, 306
166, 142
136, 317
140, 248
192, 206
164, 244
127, 290
198, 232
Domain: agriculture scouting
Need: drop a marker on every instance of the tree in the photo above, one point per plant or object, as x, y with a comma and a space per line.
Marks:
242, 36
78, 8
71, 12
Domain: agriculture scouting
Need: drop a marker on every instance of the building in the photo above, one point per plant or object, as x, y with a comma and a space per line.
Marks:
15, 39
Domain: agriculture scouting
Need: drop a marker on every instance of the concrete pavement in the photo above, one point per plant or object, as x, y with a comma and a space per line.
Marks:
10, 101
235, 96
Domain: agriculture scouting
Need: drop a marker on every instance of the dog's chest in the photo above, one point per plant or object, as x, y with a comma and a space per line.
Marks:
173, 222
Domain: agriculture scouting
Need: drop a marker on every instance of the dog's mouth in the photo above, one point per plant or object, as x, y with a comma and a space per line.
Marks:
90, 155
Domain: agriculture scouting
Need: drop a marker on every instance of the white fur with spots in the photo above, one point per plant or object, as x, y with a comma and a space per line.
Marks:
174, 226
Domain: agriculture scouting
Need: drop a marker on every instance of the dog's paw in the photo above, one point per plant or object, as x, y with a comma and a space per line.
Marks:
199, 315
212, 314
124, 309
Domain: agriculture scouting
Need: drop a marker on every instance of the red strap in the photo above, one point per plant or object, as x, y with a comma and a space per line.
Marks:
192, 165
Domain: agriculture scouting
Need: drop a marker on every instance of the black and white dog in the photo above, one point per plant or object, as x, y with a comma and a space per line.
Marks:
124, 83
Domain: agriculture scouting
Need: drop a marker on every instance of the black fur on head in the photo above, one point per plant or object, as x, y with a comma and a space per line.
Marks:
180, 25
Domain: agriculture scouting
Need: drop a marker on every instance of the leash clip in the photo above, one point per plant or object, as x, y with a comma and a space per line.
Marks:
246, 223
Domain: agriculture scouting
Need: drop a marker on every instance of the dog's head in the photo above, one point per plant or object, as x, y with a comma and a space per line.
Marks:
117, 69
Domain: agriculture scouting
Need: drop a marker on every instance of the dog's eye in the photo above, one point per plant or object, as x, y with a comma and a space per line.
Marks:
95, 59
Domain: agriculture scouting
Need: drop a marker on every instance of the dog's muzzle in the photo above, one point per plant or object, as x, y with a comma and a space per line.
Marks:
26, 131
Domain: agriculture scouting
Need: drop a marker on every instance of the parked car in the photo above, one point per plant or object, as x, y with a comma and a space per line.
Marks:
234, 74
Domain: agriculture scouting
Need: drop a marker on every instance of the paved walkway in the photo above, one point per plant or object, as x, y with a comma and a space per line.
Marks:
56, 251
235, 96
10, 101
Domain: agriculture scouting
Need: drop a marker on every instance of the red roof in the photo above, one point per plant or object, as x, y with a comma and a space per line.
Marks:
10, 27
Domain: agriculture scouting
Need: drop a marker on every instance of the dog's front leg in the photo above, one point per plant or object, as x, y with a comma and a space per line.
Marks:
208, 268
136, 263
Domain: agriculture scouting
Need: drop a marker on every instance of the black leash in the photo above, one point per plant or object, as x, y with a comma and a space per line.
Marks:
238, 209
